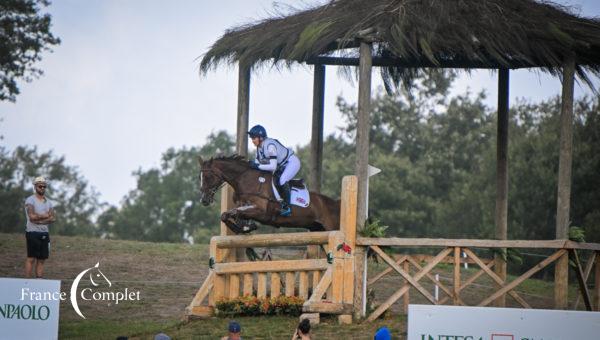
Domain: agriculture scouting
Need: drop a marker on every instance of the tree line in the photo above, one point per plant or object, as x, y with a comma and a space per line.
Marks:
437, 152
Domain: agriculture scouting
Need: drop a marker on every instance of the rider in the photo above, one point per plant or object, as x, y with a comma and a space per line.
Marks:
272, 156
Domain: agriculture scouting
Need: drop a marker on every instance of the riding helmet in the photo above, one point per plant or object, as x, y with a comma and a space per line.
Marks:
257, 131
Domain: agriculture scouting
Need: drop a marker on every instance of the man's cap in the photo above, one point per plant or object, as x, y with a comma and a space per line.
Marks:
162, 336
234, 327
39, 179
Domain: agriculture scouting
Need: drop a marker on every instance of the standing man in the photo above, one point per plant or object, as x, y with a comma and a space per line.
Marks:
40, 214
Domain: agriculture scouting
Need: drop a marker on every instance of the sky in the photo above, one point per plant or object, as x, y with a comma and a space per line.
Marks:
123, 86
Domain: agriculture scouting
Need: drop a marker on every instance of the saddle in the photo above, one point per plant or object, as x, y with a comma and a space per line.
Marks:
299, 195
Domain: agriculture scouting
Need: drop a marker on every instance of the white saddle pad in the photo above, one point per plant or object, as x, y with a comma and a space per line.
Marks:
299, 196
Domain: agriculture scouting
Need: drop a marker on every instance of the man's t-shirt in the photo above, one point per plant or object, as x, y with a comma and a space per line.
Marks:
39, 207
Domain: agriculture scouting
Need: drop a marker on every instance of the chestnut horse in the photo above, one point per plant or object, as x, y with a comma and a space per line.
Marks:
254, 199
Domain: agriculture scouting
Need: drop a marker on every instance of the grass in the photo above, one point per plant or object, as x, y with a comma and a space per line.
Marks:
168, 275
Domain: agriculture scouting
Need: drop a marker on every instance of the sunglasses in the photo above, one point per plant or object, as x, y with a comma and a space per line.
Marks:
41, 186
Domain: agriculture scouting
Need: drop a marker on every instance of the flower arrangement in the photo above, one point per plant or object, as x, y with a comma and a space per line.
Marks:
253, 306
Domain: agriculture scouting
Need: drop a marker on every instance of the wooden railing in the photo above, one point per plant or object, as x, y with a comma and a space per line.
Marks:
453, 249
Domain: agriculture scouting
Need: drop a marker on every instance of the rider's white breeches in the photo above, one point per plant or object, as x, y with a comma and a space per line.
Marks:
291, 169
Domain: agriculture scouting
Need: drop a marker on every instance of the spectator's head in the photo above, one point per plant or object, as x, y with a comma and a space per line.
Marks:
235, 330
383, 334
304, 326
162, 336
39, 184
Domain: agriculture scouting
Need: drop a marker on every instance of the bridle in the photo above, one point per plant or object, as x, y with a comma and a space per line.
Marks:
222, 179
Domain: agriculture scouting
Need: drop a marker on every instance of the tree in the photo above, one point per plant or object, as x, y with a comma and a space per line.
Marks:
165, 204
24, 35
75, 201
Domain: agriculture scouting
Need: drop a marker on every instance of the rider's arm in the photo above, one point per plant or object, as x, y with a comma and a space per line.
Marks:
271, 166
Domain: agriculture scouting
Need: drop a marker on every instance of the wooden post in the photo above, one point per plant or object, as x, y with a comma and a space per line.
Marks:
561, 272
597, 282
502, 175
456, 276
316, 142
243, 108
275, 285
362, 163
348, 230
261, 285
230, 281
218, 290
290, 283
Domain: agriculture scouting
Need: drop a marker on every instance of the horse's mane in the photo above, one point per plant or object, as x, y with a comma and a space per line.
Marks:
234, 157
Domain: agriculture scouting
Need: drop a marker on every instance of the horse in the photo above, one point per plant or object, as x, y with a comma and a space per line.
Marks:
254, 199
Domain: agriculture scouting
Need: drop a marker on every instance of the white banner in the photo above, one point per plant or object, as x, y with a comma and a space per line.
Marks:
29, 309
426, 322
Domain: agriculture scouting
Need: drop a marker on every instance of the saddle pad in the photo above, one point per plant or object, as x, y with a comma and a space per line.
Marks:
299, 196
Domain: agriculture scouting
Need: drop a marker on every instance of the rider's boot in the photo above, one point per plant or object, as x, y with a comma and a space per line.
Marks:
285, 191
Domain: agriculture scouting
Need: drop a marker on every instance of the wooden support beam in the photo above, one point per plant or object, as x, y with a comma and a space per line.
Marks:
502, 174
398, 294
243, 109
234, 286
581, 280
563, 202
337, 275
362, 162
275, 285
588, 270
456, 280
203, 291
316, 278
290, 283
496, 278
316, 141
320, 289
303, 285
432, 278
273, 240
327, 308
597, 282
386, 271
406, 297
470, 243
248, 284
261, 285
270, 266
525, 276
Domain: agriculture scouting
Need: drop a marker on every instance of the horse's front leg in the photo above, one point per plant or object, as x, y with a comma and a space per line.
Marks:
229, 217
246, 215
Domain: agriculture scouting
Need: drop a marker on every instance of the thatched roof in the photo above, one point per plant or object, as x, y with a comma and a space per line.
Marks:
421, 33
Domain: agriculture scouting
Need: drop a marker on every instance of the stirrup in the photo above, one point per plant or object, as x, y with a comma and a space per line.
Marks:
285, 211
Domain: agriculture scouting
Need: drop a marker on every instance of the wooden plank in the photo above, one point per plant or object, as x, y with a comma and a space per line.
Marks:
456, 280
588, 270
387, 303
580, 278
290, 283
316, 277
203, 291
337, 275
261, 285
243, 109
496, 278
348, 209
406, 298
471, 243
386, 271
234, 286
320, 289
248, 283
561, 282
582, 245
430, 277
597, 282
316, 140
218, 291
348, 281
270, 266
327, 307
524, 277
201, 311
275, 285
303, 285
273, 240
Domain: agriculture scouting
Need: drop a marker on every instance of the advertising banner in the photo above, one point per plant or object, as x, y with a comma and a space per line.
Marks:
426, 322
29, 308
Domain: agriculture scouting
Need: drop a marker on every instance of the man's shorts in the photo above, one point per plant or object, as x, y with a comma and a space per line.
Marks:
38, 244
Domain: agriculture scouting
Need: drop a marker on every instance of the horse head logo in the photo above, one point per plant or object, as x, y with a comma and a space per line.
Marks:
95, 275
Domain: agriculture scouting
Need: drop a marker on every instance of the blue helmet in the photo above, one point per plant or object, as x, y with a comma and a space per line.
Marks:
257, 131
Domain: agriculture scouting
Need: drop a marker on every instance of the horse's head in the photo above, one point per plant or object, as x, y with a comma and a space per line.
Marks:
210, 181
